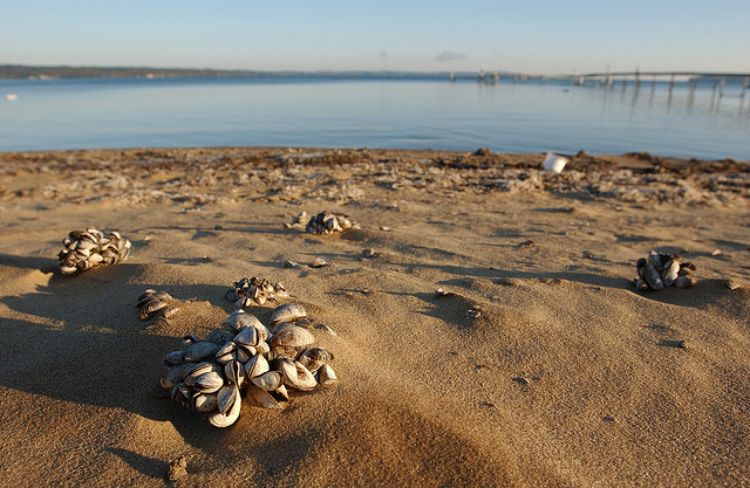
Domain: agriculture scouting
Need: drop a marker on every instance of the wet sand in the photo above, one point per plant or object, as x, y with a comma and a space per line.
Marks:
568, 377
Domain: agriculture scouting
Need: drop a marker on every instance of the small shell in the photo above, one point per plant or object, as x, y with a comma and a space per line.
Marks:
248, 337
685, 281
268, 399
226, 353
318, 263
175, 357
292, 337
670, 272
151, 307
221, 420
171, 377
226, 398
219, 336
650, 275
315, 357
304, 379
326, 375
205, 403
256, 366
209, 382
200, 350
289, 312
268, 381
239, 319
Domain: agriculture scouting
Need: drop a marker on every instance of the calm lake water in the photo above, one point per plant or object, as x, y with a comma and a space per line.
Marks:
388, 113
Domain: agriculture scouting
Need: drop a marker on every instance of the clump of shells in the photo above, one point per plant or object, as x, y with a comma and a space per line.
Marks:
328, 222
245, 358
157, 305
659, 270
254, 291
91, 248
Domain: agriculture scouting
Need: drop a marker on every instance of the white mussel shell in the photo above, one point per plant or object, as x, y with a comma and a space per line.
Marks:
268, 381
221, 420
289, 312
227, 396
200, 350
671, 272
291, 339
226, 353
315, 357
205, 403
219, 336
285, 366
267, 399
326, 375
209, 382
239, 319
151, 307
171, 377
175, 357
256, 366
248, 337
244, 353
181, 396
304, 379
200, 369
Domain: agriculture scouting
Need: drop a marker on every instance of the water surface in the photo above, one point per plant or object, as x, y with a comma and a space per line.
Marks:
388, 113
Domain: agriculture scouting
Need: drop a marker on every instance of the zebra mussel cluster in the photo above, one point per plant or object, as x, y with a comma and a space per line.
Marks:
246, 358
659, 270
254, 291
328, 222
91, 248
157, 305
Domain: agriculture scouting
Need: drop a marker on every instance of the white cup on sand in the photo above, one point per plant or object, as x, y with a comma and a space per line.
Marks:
554, 163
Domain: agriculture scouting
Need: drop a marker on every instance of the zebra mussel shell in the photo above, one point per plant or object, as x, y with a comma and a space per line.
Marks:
157, 304
660, 270
328, 222
255, 291
91, 248
212, 375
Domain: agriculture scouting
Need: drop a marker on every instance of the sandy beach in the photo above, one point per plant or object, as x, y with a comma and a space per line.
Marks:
563, 375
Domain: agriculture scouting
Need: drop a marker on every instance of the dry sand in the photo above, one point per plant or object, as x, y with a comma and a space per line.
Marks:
427, 395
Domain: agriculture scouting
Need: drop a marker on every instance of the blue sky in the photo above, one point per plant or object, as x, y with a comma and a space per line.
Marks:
535, 36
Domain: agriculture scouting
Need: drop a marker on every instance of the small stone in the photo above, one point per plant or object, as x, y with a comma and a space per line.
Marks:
482, 151
440, 292
385, 228
291, 264
521, 380
715, 252
369, 253
473, 313
218, 227
732, 285
527, 243
609, 418
676, 343
318, 263
177, 469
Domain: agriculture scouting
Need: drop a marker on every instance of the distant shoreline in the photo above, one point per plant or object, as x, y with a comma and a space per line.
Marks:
17, 72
